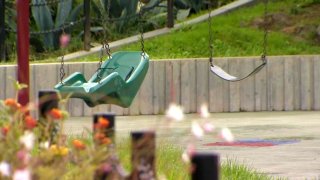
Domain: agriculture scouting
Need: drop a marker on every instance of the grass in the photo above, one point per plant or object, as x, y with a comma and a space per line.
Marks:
233, 36
170, 165
232, 170
168, 160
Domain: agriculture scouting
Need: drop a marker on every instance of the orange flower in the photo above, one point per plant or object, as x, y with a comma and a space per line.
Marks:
103, 122
78, 144
5, 130
106, 141
12, 103
56, 113
30, 122
99, 136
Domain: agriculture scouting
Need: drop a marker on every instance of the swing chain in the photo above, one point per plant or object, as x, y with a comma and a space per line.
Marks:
105, 44
62, 71
210, 35
143, 53
265, 36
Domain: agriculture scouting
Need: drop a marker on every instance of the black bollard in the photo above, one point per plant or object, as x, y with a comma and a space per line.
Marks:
205, 166
47, 100
104, 135
143, 155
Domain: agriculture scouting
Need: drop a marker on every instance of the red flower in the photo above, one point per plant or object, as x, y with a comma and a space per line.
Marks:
55, 113
30, 122
78, 144
64, 40
5, 130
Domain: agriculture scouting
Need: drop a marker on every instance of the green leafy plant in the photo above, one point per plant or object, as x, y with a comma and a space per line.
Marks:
47, 19
29, 151
119, 9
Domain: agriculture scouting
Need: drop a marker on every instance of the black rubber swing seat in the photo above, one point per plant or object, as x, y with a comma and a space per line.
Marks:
218, 71
117, 82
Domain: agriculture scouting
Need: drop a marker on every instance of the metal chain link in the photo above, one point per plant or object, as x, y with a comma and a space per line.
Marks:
265, 35
46, 3
210, 35
117, 19
105, 43
64, 26
143, 53
62, 72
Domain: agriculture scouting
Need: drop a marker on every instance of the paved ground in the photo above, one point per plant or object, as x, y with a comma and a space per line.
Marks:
299, 160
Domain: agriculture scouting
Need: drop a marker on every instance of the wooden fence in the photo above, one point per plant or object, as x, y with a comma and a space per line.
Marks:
287, 83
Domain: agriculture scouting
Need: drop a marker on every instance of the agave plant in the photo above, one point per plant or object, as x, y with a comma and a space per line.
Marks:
10, 24
119, 9
46, 19
186, 7
10, 14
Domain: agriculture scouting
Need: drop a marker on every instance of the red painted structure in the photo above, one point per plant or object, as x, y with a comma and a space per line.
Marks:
23, 48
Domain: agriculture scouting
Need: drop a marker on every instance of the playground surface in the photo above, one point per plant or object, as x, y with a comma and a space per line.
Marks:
282, 144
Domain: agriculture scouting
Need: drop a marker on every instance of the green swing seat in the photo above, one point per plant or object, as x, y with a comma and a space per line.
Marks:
119, 80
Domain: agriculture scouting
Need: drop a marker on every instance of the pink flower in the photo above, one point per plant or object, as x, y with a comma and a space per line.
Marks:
208, 127
175, 112
23, 157
196, 129
227, 135
64, 40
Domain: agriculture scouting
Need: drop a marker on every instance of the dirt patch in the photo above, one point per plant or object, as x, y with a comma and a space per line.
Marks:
302, 22
273, 21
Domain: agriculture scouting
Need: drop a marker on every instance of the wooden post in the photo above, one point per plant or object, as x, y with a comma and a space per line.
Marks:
170, 17
23, 49
86, 11
103, 128
205, 166
143, 155
2, 31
